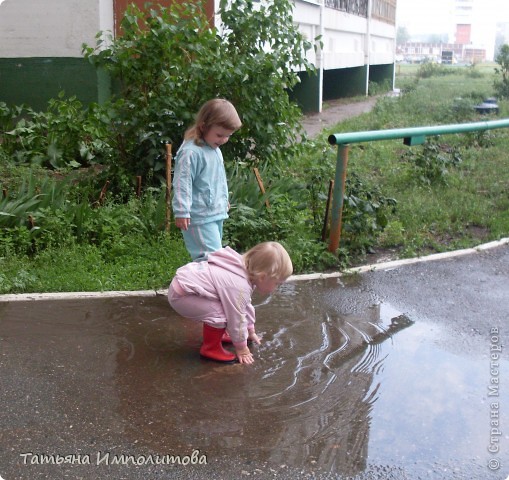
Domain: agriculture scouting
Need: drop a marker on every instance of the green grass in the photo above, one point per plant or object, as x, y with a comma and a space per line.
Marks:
465, 205
84, 268
470, 204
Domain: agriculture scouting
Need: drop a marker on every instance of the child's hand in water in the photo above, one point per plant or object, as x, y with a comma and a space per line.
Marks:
253, 337
244, 355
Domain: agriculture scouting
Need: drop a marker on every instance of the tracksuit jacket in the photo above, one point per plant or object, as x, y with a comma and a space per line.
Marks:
224, 278
200, 190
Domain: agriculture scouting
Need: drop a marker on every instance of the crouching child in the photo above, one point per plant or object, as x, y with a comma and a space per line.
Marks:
218, 291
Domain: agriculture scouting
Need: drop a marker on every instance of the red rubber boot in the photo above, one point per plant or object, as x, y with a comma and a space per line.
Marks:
212, 348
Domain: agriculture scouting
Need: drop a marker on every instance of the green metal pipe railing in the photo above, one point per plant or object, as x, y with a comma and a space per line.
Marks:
410, 136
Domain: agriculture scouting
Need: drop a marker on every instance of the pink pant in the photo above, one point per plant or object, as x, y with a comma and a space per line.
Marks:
195, 307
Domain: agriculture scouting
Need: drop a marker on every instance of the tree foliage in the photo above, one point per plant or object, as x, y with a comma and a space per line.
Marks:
169, 61
502, 58
402, 35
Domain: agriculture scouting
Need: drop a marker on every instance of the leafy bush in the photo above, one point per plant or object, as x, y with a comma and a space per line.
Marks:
502, 58
379, 88
32, 197
65, 136
365, 213
430, 69
474, 72
50, 212
169, 61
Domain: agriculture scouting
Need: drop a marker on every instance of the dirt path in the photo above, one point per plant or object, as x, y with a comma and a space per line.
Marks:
335, 111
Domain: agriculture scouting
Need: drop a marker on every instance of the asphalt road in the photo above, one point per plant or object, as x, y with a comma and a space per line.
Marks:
109, 386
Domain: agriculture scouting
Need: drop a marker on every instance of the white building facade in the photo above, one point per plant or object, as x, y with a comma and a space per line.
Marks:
359, 43
41, 47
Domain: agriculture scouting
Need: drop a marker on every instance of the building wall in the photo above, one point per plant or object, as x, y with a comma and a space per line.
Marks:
475, 26
352, 44
419, 51
41, 50
345, 36
41, 47
51, 28
35, 80
120, 6
463, 34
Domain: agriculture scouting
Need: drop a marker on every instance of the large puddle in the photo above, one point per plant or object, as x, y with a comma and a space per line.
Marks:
342, 384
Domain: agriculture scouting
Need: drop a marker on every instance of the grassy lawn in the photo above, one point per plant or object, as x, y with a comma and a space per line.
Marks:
450, 193
465, 205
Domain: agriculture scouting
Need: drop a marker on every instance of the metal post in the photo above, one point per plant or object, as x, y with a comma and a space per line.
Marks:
337, 198
415, 135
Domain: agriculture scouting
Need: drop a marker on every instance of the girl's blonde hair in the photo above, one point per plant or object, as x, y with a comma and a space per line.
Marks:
270, 259
217, 111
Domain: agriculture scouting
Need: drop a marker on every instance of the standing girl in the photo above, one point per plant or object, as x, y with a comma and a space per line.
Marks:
217, 292
200, 198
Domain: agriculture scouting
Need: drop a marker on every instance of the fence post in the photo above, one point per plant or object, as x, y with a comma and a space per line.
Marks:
168, 186
337, 197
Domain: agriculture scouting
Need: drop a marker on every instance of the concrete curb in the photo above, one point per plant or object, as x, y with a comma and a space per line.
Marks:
406, 261
293, 278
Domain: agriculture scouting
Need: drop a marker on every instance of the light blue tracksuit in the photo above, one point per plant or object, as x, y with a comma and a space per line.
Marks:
200, 192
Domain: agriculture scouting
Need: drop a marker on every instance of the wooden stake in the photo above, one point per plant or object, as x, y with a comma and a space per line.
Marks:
260, 184
138, 186
102, 195
168, 185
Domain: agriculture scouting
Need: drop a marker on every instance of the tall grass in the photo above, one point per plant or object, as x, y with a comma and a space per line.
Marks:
469, 202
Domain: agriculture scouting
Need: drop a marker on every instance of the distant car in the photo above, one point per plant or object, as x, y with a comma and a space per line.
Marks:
447, 57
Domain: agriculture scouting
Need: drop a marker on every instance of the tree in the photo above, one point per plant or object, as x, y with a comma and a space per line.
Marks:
437, 38
502, 58
169, 61
499, 41
402, 36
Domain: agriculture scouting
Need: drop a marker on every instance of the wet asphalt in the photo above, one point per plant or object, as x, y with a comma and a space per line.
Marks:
395, 371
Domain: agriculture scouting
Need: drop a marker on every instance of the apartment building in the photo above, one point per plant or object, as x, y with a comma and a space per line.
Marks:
40, 47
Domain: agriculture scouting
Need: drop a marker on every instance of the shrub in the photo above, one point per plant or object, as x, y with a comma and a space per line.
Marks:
502, 58
169, 61
431, 163
65, 136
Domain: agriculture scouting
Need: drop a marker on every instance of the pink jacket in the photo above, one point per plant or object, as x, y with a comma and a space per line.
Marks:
223, 277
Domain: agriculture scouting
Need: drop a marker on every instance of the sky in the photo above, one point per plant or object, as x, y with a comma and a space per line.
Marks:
434, 16
427, 17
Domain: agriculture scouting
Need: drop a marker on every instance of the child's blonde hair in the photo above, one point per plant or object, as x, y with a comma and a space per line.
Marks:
217, 111
270, 259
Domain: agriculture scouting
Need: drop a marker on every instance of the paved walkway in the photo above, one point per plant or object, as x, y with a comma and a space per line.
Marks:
336, 111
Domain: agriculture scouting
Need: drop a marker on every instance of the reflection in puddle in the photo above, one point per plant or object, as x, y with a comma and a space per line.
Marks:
306, 401
337, 386
441, 425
